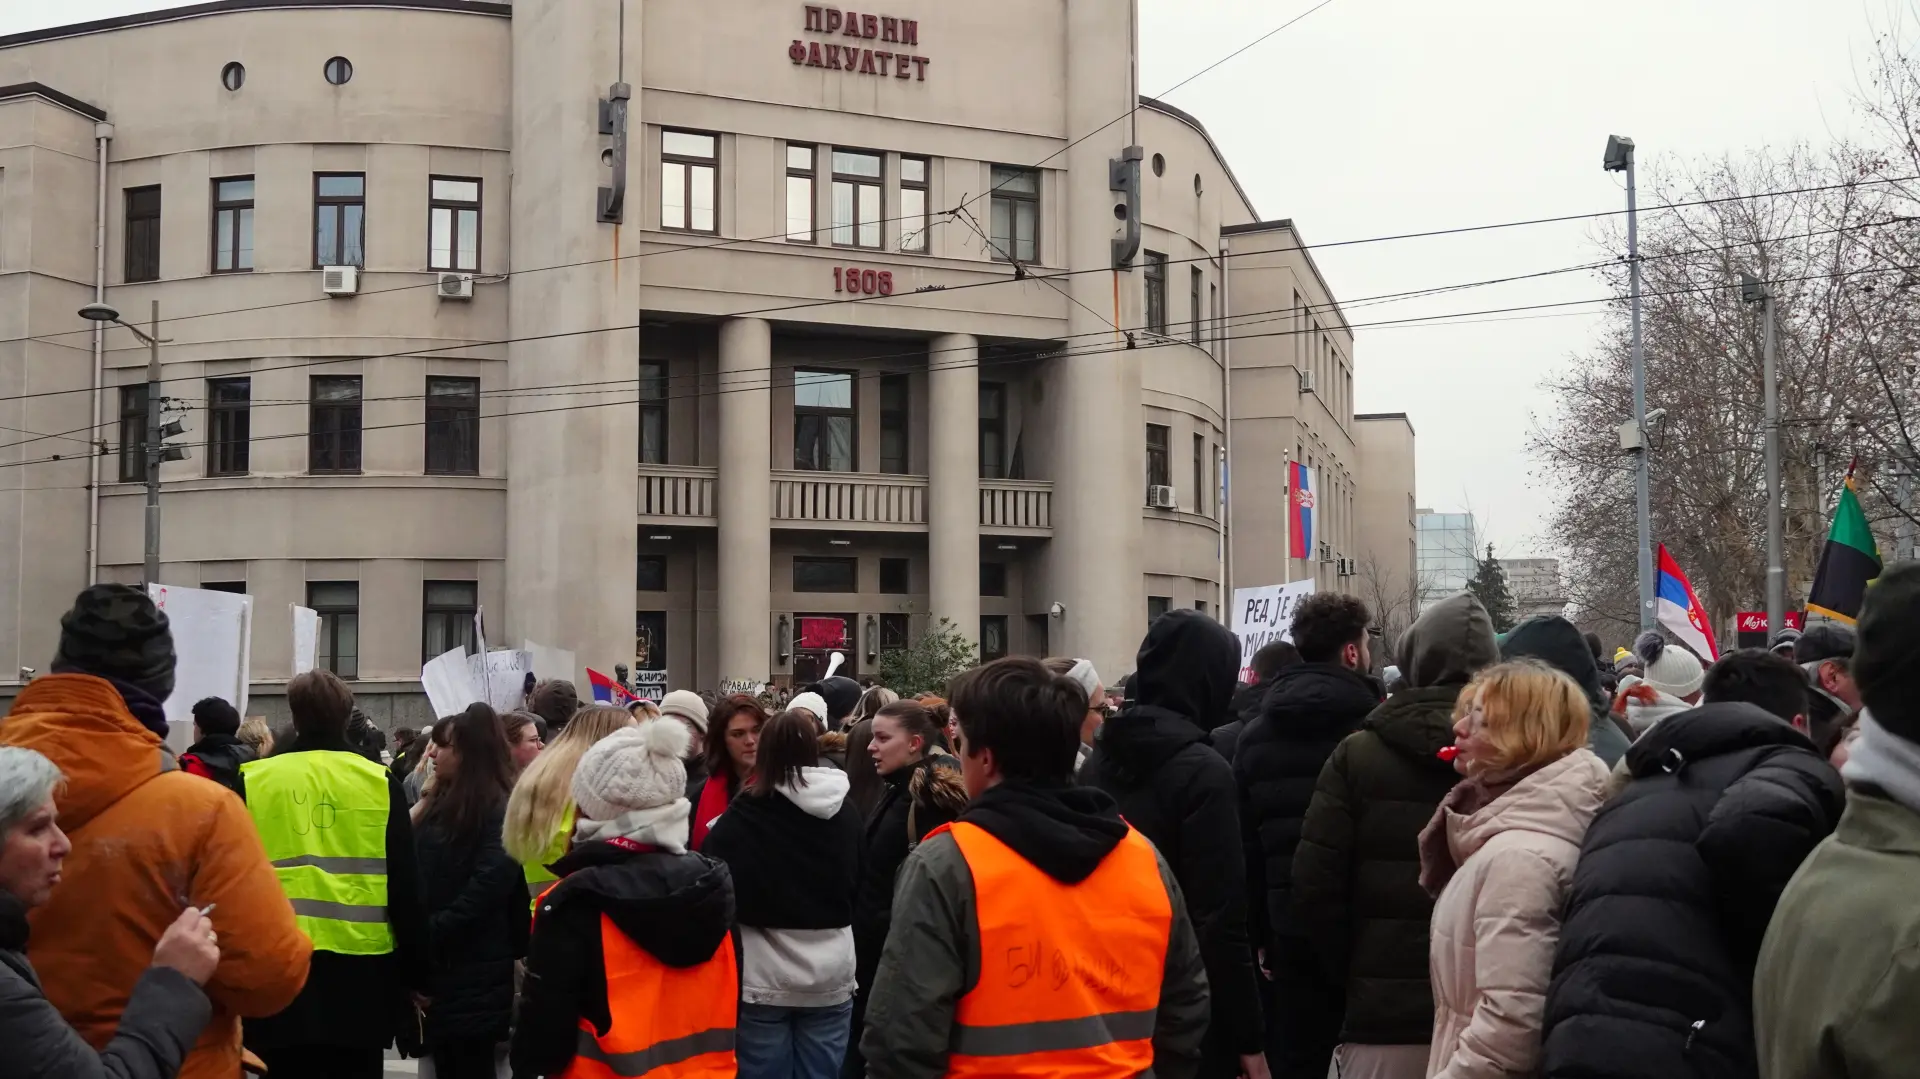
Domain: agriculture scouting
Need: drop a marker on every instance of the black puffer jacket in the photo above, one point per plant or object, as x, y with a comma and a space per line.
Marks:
1244, 709
1356, 876
678, 907
218, 757
1178, 792
476, 900
1678, 877
913, 802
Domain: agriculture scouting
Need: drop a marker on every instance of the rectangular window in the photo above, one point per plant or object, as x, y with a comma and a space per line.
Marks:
233, 225
338, 605
1199, 473
453, 223
993, 637
340, 220
1159, 445
1213, 311
1219, 496
800, 174
446, 621
651, 575
1200, 605
653, 412
1156, 274
823, 421
824, 575
993, 430
893, 632
650, 642
133, 433
143, 234
913, 205
333, 425
894, 576
238, 588
1157, 606
453, 428
1195, 279
856, 198
229, 425
1016, 213
993, 578
894, 417
689, 181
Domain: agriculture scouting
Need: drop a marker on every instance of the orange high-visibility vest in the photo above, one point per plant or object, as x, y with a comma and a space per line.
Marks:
668, 1022
1069, 973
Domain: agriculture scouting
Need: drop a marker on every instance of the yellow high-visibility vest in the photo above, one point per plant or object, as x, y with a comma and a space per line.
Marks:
322, 816
536, 871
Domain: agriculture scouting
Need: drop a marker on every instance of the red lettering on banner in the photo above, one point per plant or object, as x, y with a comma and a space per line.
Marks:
816, 20
853, 24
866, 61
889, 28
813, 55
920, 63
909, 31
797, 52
869, 26
833, 20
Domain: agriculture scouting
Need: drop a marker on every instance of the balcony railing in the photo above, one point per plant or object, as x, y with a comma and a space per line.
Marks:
678, 494
1016, 507
855, 500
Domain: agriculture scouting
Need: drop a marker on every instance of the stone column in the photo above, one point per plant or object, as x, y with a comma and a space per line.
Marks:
745, 498
953, 483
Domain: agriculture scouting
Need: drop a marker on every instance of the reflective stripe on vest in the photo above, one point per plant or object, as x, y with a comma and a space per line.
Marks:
1069, 973
668, 1022
322, 816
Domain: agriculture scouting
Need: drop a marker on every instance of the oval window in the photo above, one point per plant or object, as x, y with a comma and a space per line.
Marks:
1198, 185
1159, 165
339, 70
233, 76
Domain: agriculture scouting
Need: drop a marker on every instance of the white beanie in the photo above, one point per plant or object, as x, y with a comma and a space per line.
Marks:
687, 705
812, 702
1673, 671
632, 768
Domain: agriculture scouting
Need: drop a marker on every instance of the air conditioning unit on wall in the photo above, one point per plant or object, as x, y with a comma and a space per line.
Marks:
339, 280
1308, 384
1161, 498
455, 286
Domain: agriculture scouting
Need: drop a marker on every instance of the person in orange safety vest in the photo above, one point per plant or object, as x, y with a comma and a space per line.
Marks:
1038, 934
631, 972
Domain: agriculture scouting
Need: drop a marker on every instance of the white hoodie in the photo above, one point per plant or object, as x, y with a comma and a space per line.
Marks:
801, 968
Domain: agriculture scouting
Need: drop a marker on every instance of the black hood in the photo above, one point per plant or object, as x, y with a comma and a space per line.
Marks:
1142, 738
676, 906
1554, 641
1188, 664
1448, 644
1417, 723
1064, 831
1312, 699
1710, 730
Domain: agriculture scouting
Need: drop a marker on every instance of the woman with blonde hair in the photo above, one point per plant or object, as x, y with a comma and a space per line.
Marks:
540, 812
1499, 856
255, 732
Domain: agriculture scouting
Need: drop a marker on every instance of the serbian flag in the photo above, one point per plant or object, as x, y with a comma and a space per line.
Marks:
608, 691
1299, 510
1680, 611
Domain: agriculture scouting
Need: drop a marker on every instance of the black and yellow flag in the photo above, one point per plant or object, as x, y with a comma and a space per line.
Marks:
1849, 561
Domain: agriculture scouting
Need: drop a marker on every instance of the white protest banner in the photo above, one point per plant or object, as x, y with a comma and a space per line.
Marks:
1263, 615
501, 677
306, 639
212, 643
447, 684
551, 663
650, 685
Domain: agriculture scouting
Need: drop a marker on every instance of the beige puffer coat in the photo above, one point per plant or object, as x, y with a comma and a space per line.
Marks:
1496, 923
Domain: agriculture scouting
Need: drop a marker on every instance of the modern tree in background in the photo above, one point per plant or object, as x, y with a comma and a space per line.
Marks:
1489, 585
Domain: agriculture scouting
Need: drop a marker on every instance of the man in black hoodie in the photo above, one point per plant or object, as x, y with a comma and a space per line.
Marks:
217, 753
1154, 759
1310, 708
1020, 994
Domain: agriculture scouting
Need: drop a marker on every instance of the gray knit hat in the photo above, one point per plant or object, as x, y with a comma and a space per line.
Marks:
114, 631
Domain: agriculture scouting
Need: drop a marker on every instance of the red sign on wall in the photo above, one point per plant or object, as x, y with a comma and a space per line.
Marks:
1751, 627
823, 633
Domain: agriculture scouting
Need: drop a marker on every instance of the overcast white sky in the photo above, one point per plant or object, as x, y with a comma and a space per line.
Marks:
1375, 117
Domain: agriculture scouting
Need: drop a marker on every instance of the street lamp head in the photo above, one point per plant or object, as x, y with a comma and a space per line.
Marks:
100, 312
1752, 289
1619, 153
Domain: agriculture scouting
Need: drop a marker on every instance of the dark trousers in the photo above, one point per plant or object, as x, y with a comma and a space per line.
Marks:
323, 1062
1304, 1024
464, 1060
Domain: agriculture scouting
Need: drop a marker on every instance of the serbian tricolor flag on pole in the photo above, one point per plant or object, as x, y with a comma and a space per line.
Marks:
1680, 611
608, 691
1299, 510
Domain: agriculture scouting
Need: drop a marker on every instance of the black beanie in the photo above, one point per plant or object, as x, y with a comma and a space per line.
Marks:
1886, 658
114, 631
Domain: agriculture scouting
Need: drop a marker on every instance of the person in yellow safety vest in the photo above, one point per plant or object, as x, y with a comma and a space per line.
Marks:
540, 811
1038, 934
631, 971
336, 829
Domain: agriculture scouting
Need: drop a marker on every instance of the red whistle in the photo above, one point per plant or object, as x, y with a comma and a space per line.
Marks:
1448, 753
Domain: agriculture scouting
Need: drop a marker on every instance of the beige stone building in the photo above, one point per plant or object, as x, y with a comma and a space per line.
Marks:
1387, 575
700, 338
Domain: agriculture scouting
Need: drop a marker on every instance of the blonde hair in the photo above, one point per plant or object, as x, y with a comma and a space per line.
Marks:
256, 733
545, 790
1531, 714
870, 703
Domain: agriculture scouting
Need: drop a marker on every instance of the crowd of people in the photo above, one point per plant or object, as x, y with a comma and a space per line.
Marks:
1497, 855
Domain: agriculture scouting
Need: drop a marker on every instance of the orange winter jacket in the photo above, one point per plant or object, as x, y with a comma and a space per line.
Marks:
147, 840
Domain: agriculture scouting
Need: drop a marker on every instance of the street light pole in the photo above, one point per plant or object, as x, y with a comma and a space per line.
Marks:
152, 572
1753, 290
1620, 159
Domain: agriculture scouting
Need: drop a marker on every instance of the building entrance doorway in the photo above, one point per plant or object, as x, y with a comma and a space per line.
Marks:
816, 638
